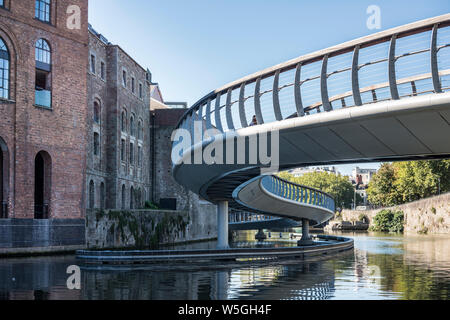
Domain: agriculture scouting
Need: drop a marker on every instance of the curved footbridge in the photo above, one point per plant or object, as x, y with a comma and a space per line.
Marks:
384, 97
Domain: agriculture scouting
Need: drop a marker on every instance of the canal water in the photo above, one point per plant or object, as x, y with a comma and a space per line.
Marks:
382, 266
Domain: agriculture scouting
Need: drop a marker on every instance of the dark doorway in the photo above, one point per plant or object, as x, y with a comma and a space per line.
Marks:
2, 213
91, 195
42, 185
4, 168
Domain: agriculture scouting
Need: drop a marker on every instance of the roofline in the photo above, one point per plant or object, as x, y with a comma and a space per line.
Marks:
119, 47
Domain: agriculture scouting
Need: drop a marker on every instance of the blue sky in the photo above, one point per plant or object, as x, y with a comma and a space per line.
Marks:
193, 47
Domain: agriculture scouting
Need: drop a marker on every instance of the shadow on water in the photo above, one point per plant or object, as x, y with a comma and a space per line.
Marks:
381, 267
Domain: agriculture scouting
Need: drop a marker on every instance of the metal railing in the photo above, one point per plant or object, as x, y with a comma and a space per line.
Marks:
401, 62
298, 193
243, 217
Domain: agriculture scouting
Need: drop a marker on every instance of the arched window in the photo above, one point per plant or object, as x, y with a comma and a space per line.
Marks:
4, 70
42, 10
102, 196
123, 121
140, 131
139, 199
132, 200
91, 195
123, 196
43, 74
132, 131
96, 112
96, 144
43, 52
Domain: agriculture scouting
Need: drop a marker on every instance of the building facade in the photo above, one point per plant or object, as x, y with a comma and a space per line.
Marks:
363, 176
43, 58
119, 159
298, 172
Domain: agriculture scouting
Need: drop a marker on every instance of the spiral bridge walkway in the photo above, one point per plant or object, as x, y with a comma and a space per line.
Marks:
383, 97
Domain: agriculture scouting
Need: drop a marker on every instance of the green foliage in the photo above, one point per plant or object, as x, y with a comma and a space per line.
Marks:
388, 221
423, 229
335, 185
403, 182
146, 232
151, 206
381, 189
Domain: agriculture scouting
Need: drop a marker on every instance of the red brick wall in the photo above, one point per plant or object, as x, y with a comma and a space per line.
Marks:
28, 129
168, 117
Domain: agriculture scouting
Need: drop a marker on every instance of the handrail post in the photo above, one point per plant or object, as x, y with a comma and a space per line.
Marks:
298, 92
391, 66
228, 111
258, 112
276, 96
324, 85
434, 62
242, 114
355, 77
217, 113
208, 115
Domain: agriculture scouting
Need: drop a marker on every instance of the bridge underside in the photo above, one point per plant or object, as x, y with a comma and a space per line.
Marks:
416, 128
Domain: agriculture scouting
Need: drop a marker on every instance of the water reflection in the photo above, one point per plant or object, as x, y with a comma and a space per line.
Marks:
380, 267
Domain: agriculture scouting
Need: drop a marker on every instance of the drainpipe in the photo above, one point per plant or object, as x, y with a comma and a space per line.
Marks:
153, 150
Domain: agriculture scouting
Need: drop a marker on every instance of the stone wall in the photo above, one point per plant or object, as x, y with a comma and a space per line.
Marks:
143, 229
203, 214
431, 215
114, 181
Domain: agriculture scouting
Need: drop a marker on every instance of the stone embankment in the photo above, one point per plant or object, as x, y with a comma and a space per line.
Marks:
426, 216
138, 229
347, 226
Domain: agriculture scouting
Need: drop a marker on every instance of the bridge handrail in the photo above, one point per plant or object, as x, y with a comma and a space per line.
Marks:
323, 55
248, 217
299, 193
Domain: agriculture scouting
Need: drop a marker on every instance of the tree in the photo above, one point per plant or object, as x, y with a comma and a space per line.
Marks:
420, 179
403, 182
335, 185
381, 189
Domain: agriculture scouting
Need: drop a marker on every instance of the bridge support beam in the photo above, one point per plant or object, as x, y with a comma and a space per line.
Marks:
306, 238
260, 236
222, 225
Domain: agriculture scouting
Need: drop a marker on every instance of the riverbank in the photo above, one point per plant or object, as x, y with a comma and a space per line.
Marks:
382, 266
426, 216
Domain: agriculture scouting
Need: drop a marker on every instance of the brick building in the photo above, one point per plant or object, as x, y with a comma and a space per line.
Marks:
43, 61
118, 160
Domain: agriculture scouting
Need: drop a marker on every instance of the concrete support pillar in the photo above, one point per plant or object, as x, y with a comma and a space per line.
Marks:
222, 225
260, 236
306, 239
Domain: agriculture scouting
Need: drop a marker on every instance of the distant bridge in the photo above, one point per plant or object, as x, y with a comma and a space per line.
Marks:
238, 220
383, 97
